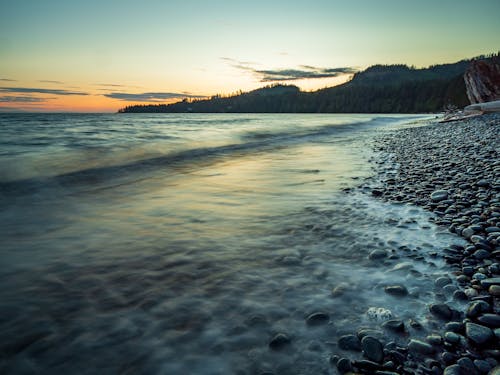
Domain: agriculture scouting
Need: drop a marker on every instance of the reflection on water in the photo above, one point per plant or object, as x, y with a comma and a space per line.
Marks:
190, 264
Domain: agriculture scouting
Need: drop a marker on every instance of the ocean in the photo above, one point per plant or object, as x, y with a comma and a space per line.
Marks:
182, 244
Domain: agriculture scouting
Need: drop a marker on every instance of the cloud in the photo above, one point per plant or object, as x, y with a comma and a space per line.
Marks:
29, 90
303, 72
8, 80
108, 85
150, 96
49, 81
22, 99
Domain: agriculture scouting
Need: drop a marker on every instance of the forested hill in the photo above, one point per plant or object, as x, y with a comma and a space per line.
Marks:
378, 89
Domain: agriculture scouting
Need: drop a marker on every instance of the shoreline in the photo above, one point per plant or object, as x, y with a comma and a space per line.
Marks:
450, 170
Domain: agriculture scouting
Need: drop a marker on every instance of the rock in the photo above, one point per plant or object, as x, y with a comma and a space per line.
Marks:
476, 308
490, 320
396, 290
452, 337
478, 334
279, 341
340, 289
350, 342
420, 347
452, 370
344, 365
372, 349
441, 310
481, 254
394, 325
468, 232
494, 290
439, 195
441, 282
467, 366
495, 371
434, 340
487, 282
482, 80
482, 365
377, 254
367, 366
317, 318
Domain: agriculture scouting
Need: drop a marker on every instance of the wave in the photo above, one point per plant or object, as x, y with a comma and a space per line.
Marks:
194, 158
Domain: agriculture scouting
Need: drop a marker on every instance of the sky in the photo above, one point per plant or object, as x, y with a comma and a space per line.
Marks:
102, 55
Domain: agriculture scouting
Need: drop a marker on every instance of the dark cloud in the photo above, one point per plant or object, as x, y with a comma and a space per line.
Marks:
149, 96
8, 80
22, 99
49, 81
304, 71
29, 90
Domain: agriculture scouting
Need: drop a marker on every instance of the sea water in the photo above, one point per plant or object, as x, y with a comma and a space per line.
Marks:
181, 244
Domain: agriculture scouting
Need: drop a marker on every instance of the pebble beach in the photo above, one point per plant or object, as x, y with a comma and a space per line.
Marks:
451, 170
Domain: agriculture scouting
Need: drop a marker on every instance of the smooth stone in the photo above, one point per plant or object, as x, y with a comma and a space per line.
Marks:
467, 365
367, 365
372, 349
441, 310
441, 282
394, 325
420, 347
452, 370
470, 292
490, 281
494, 290
490, 320
377, 254
452, 337
344, 365
482, 365
317, 318
478, 334
349, 342
476, 308
396, 290
479, 276
439, 195
454, 326
481, 254
468, 232
279, 341
434, 340
363, 332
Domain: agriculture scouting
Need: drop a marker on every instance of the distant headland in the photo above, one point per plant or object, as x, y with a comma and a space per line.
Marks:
378, 89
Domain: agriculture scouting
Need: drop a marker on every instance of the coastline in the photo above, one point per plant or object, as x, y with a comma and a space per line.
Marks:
450, 170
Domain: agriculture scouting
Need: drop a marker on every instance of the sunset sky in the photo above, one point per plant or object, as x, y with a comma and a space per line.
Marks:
101, 55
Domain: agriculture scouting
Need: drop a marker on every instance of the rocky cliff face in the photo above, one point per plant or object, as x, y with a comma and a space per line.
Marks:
482, 80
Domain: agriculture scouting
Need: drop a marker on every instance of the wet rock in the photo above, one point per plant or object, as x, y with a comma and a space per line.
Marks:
434, 340
494, 290
344, 365
487, 282
452, 337
350, 342
478, 334
441, 282
452, 370
476, 308
279, 341
377, 254
340, 289
372, 349
441, 310
368, 366
490, 320
467, 366
420, 347
396, 290
394, 325
439, 195
483, 366
317, 318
